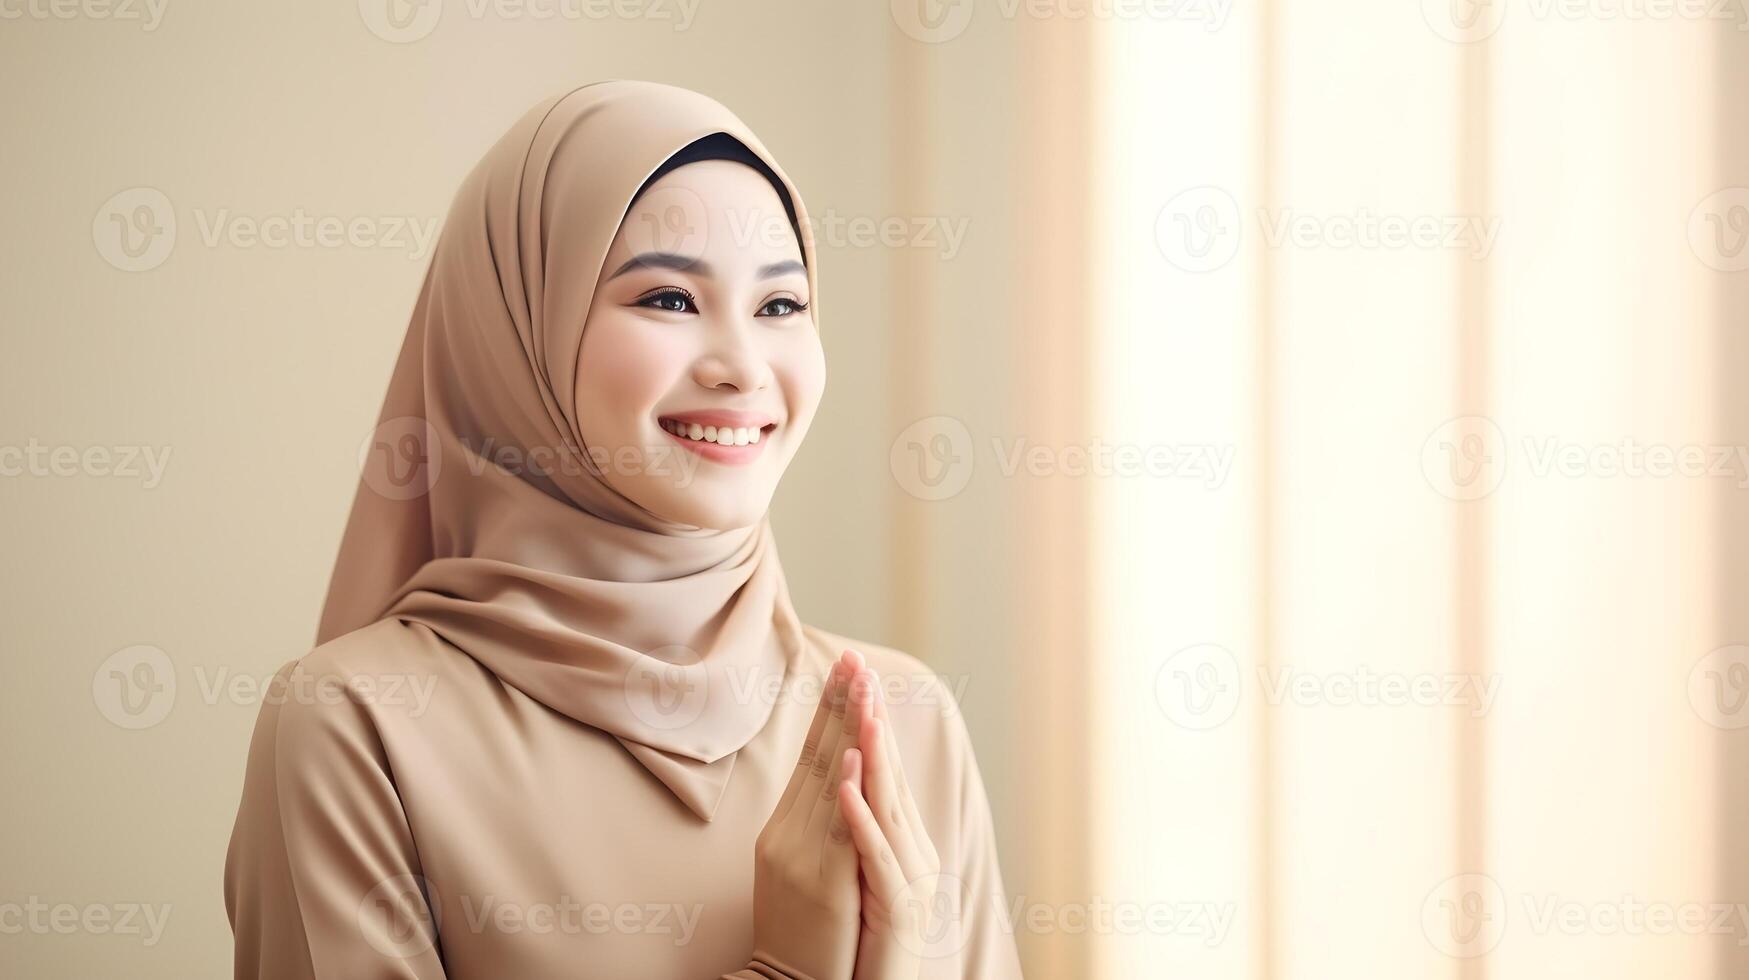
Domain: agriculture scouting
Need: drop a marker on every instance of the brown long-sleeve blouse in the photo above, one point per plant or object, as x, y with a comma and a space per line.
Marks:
406, 814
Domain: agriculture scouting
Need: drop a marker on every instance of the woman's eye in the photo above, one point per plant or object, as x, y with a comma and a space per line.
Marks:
782, 306
672, 300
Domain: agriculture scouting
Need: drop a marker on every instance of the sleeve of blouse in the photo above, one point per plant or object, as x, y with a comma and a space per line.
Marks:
989, 952
321, 877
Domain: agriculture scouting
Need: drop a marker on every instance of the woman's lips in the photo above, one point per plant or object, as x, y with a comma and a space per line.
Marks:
714, 450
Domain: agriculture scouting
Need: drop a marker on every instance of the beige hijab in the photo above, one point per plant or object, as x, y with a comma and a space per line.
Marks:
565, 589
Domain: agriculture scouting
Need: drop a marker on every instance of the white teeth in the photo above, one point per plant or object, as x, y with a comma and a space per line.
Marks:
726, 436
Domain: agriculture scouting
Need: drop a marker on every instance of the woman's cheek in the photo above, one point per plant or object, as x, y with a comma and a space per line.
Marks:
630, 369
801, 365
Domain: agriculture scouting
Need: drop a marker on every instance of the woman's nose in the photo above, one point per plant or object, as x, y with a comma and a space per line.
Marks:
733, 360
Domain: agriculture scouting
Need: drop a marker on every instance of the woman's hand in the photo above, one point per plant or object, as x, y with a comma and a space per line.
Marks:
805, 900
900, 869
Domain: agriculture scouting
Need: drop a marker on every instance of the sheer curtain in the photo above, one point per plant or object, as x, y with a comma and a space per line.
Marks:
1441, 678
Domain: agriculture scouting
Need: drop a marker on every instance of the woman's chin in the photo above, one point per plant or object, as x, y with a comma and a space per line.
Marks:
702, 505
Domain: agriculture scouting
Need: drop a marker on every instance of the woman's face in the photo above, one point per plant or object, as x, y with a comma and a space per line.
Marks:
701, 368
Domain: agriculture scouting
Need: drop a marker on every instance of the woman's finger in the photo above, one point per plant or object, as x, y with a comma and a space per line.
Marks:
907, 801
884, 787
826, 751
880, 867
882, 794
849, 733
858, 712
811, 744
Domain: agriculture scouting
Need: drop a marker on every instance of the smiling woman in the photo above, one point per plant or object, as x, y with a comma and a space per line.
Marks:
634, 758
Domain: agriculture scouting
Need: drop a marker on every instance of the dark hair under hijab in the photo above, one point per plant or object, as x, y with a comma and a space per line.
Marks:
722, 146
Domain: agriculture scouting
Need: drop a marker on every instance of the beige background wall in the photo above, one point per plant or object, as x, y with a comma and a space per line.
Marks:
1051, 162
258, 370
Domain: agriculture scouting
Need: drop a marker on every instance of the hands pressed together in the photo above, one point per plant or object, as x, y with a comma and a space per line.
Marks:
844, 871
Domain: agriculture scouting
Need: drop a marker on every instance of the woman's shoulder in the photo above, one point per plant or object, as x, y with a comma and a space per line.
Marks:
832, 644
387, 644
887, 661
384, 654
921, 700
349, 685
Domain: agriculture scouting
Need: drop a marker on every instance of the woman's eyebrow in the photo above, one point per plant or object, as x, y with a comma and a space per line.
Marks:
783, 268
664, 260
685, 263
